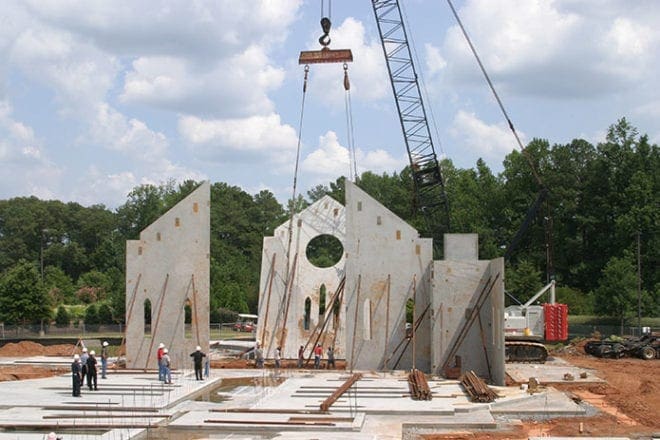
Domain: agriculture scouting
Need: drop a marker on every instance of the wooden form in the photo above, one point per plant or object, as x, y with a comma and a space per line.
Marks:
477, 388
419, 387
327, 403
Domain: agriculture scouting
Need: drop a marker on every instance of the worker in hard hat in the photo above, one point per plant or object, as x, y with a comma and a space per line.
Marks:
91, 371
76, 375
104, 360
83, 362
198, 355
165, 362
159, 354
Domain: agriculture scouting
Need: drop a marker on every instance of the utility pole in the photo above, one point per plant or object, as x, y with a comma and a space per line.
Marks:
639, 284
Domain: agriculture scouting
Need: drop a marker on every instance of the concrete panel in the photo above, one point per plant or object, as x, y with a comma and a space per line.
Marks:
387, 264
282, 317
468, 311
459, 247
169, 267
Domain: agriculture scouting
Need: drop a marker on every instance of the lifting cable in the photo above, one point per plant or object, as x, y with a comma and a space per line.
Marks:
292, 206
497, 98
352, 161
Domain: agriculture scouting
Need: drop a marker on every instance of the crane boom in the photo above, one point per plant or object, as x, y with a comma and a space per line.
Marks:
429, 185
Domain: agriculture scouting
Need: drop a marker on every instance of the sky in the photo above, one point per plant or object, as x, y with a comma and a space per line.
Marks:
99, 97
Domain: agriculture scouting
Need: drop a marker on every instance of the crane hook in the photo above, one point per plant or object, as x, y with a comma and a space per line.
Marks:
324, 39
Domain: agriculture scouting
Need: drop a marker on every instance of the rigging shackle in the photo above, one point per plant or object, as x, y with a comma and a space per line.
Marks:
347, 83
324, 40
305, 79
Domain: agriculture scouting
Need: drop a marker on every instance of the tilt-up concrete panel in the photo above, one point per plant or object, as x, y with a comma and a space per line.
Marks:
387, 265
468, 310
284, 318
167, 269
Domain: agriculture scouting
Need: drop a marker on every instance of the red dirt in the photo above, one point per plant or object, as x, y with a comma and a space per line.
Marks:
29, 348
629, 401
26, 349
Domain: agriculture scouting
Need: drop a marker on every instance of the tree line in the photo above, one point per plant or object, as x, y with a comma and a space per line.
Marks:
596, 233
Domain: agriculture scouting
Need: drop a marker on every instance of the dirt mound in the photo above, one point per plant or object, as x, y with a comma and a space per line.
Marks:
29, 348
22, 372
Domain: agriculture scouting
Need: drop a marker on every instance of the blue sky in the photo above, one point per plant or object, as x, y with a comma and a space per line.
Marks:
98, 97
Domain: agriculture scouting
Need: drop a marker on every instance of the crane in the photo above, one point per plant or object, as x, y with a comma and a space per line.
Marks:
430, 195
429, 185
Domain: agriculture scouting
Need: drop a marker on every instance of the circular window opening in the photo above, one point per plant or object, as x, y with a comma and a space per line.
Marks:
324, 251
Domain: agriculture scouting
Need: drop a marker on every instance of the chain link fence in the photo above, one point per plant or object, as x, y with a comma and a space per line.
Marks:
226, 330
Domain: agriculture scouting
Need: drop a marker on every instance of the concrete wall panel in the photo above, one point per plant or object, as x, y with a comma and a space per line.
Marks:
169, 267
387, 264
478, 341
282, 318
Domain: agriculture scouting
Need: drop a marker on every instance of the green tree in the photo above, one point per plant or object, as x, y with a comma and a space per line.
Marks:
616, 294
105, 314
23, 298
523, 281
62, 317
98, 281
59, 285
91, 315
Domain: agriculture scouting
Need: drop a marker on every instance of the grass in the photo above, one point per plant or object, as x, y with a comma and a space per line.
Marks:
653, 322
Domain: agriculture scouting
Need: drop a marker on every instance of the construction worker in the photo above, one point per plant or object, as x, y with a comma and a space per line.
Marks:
104, 360
258, 356
318, 352
76, 375
165, 363
197, 356
83, 362
159, 353
301, 356
91, 371
331, 357
278, 357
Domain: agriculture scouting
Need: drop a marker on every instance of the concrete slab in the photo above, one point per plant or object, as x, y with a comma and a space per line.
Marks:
286, 404
552, 371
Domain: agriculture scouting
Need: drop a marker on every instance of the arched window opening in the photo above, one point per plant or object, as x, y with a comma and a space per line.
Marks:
308, 310
336, 308
322, 291
366, 319
410, 309
187, 312
147, 317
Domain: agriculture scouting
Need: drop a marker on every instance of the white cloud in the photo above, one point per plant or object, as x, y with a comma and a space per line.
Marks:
131, 137
264, 137
560, 48
25, 168
486, 141
79, 73
188, 29
435, 63
331, 159
233, 87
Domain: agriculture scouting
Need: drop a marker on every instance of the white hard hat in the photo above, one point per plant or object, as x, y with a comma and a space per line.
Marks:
84, 349
52, 436
165, 350
76, 357
92, 352
161, 345
198, 348
105, 343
